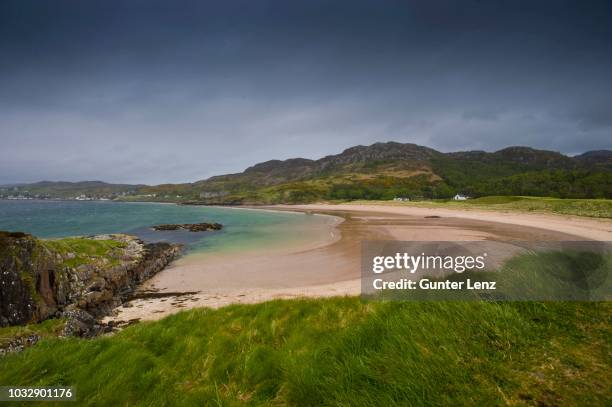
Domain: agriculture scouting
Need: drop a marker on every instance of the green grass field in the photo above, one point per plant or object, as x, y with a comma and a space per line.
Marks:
339, 352
597, 208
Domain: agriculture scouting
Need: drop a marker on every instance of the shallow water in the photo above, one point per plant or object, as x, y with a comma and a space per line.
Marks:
244, 229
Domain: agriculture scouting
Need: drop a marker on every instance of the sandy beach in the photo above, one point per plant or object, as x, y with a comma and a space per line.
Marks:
331, 265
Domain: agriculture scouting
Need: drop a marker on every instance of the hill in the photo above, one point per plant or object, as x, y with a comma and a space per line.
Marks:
63, 189
378, 171
388, 170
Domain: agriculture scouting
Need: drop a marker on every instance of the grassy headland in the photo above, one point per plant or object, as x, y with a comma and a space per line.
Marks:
338, 352
77, 250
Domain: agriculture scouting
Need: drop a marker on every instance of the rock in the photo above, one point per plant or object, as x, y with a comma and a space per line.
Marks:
192, 227
36, 284
83, 324
19, 344
25, 268
80, 323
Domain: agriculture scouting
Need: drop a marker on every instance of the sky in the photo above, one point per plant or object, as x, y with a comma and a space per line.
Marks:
178, 91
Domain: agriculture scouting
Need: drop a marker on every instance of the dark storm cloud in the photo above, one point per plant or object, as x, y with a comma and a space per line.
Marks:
142, 91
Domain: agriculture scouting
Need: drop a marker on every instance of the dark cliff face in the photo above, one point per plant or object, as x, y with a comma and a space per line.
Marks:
15, 293
38, 282
25, 266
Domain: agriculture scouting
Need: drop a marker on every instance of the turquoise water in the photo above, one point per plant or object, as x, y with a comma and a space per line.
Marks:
243, 229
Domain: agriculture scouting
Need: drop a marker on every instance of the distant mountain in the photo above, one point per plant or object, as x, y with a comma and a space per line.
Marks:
63, 189
354, 160
386, 170
523, 156
602, 158
81, 185
378, 171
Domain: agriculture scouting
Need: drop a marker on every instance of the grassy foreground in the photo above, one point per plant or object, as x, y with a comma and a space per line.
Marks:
339, 351
596, 208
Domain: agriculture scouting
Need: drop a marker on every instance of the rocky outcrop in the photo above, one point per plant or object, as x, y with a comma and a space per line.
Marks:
23, 263
18, 344
192, 227
43, 279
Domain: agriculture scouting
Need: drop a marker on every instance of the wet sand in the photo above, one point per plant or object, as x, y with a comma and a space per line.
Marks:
331, 267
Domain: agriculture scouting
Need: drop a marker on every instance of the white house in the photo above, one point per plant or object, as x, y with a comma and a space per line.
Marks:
460, 197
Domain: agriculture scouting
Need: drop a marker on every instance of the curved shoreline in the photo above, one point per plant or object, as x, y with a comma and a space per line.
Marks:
583, 227
333, 269
329, 235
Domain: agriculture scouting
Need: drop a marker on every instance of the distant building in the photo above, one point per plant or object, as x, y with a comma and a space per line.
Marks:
460, 197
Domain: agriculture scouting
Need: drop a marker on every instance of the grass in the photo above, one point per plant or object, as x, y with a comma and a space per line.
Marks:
78, 250
47, 329
597, 208
339, 351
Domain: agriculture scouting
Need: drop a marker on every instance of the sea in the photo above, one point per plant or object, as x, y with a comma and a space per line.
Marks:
243, 229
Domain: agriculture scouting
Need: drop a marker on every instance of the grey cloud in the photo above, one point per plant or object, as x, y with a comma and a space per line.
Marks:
597, 117
487, 115
134, 91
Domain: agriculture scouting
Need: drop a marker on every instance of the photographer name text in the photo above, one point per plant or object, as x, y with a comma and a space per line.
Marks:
427, 284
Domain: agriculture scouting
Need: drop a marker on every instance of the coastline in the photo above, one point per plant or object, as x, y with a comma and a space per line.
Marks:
332, 268
580, 226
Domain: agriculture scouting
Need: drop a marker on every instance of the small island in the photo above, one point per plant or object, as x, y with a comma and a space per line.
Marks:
192, 227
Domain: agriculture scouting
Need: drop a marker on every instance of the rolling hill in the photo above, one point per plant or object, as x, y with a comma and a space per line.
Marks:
63, 189
387, 170
378, 171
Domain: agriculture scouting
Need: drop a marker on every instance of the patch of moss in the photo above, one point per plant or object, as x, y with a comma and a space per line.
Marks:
29, 281
76, 251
